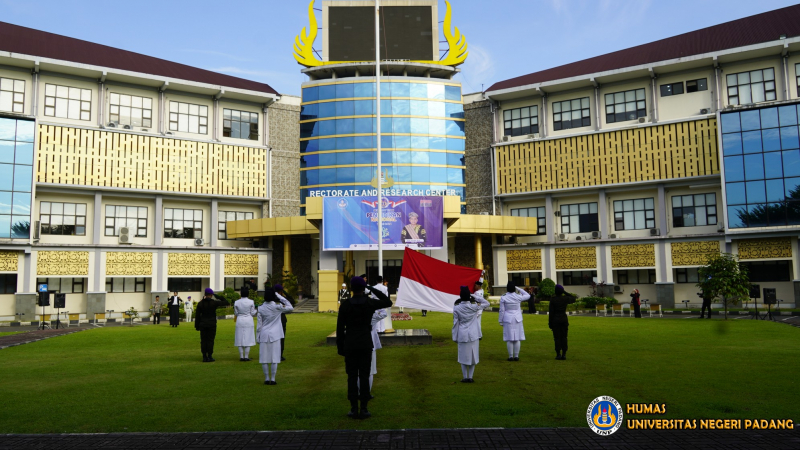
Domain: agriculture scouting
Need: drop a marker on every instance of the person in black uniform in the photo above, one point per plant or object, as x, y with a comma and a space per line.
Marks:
558, 322
636, 302
206, 321
279, 290
354, 341
706, 304
533, 290
174, 304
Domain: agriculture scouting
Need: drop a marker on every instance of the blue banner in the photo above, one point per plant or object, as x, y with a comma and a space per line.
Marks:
351, 223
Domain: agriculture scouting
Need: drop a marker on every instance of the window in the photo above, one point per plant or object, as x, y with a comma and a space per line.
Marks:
131, 110
578, 277
12, 95
761, 271
185, 284
63, 218
579, 218
133, 217
8, 283
16, 177
686, 275
571, 114
640, 276
235, 283
751, 87
125, 285
694, 210
521, 121
538, 212
240, 124
188, 118
696, 85
226, 216
635, 214
183, 223
67, 102
525, 278
671, 89
63, 285
627, 105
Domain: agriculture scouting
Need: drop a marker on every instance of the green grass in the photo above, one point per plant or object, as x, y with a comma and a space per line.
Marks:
151, 378
9, 333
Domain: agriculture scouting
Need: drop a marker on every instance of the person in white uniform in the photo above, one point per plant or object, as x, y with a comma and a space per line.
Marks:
244, 337
381, 286
377, 318
465, 331
511, 319
188, 307
477, 291
269, 332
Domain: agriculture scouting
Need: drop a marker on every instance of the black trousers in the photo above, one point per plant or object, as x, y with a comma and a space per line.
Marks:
531, 306
706, 305
560, 338
637, 310
174, 315
207, 336
283, 339
156, 318
357, 365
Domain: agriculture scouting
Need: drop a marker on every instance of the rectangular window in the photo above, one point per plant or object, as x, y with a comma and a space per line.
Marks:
571, 114
225, 216
686, 275
694, 210
538, 212
696, 85
16, 177
183, 223
63, 285
636, 276
637, 214
521, 121
125, 285
8, 283
751, 87
12, 95
668, 90
67, 102
63, 218
239, 124
525, 278
133, 217
235, 283
578, 277
626, 105
579, 218
131, 110
761, 271
185, 284
188, 118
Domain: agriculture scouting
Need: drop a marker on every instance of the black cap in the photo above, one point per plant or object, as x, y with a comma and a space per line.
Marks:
511, 287
380, 279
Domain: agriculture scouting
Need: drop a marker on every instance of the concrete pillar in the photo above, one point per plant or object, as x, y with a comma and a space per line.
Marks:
95, 303
328, 281
214, 222
98, 227
665, 294
478, 252
26, 305
602, 212
158, 226
287, 254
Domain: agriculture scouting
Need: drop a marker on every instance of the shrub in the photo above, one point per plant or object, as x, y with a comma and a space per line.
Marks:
547, 288
591, 302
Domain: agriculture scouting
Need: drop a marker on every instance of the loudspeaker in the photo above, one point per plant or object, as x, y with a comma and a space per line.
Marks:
44, 299
60, 301
770, 296
755, 291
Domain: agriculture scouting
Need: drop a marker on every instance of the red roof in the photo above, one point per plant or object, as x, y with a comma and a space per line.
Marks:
765, 27
27, 41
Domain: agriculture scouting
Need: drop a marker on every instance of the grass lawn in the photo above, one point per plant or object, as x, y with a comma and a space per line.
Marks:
9, 333
151, 378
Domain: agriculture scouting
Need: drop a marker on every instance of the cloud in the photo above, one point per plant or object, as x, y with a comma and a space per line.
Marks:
478, 69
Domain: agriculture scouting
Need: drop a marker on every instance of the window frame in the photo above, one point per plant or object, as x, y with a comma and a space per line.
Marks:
685, 275
74, 283
676, 219
175, 114
541, 220
626, 274
146, 122
14, 93
187, 284
50, 110
139, 284
671, 89
222, 227
586, 113
569, 216
508, 120
582, 276
737, 87
700, 86
115, 229
773, 268
619, 216
5, 284
194, 229
49, 215
617, 117
228, 119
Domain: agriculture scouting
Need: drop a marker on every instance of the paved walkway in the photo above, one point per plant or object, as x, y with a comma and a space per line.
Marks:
479, 439
26, 337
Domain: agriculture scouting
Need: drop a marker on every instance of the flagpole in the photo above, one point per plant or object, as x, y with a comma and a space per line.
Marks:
378, 133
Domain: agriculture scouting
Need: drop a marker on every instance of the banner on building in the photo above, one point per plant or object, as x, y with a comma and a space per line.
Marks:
351, 223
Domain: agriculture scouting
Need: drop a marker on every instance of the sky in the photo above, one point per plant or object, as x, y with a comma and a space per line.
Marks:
253, 39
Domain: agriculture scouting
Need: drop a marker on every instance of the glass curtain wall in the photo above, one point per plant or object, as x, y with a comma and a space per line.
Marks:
16, 172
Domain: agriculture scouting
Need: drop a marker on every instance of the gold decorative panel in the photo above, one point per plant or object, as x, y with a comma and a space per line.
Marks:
693, 253
188, 264
765, 248
638, 255
524, 259
129, 263
237, 264
62, 263
9, 261
111, 159
676, 150
576, 258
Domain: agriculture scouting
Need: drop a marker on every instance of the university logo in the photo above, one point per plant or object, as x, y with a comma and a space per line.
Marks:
342, 204
604, 415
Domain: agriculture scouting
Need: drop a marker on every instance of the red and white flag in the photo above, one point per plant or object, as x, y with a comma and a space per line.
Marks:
427, 283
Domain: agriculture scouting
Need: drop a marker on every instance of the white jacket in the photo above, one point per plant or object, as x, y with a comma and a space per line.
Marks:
385, 290
510, 309
244, 308
268, 327
465, 325
377, 318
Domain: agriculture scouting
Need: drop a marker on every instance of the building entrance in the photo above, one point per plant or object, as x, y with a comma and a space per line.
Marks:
391, 272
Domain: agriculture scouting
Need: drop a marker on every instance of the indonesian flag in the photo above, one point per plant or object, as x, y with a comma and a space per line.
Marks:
427, 283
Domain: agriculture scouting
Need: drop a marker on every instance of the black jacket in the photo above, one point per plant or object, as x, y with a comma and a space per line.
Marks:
354, 325
283, 315
205, 313
558, 310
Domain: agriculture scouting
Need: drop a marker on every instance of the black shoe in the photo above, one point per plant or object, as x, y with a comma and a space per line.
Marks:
210, 359
465, 380
283, 359
558, 356
205, 358
371, 396
247, 359
353, 414
267, 382
563, 357
273, 383
510, 358
365, 414
516, 358
241, 359
470, 380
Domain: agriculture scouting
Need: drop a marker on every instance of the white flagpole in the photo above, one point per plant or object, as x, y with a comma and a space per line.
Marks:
378, 133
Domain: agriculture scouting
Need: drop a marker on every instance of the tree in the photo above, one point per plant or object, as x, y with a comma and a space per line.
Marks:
547, 288
724, 277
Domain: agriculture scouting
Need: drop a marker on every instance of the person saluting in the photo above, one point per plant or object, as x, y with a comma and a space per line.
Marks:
558, 322
206, 322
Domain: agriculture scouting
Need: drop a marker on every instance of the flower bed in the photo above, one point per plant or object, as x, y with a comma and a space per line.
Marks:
401, 316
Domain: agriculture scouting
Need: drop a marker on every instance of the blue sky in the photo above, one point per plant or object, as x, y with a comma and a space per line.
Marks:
253, 39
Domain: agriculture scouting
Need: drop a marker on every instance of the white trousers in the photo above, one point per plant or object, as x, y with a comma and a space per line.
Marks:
188, 315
